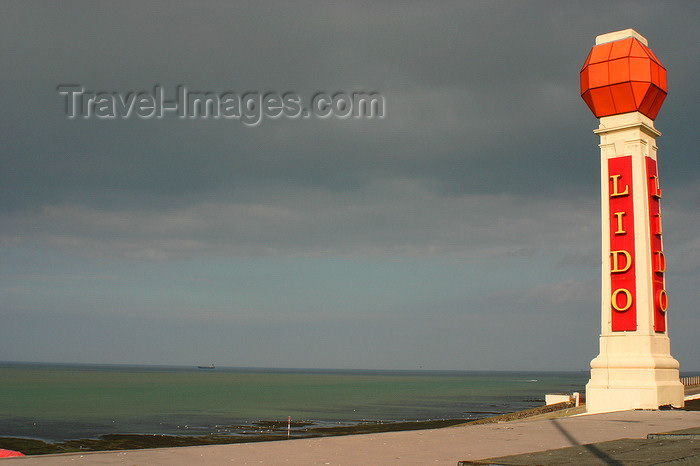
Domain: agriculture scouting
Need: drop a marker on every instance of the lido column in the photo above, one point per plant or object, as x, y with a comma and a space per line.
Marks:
624, 84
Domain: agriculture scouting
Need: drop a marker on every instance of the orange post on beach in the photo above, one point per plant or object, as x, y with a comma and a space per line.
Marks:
289, 425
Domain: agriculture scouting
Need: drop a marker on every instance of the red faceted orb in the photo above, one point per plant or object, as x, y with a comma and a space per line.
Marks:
623, 76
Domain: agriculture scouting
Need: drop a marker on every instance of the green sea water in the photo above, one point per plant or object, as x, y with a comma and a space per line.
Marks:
59, 402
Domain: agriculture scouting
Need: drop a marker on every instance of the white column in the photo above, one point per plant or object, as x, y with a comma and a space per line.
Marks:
635, 369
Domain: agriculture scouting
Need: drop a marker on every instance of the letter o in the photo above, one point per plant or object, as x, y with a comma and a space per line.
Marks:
662, 301
342, 105
628, 299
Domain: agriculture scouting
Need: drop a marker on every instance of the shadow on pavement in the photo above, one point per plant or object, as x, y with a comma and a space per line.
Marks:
597, 452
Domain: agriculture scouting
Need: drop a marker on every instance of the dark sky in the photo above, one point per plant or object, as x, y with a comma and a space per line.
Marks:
459, 231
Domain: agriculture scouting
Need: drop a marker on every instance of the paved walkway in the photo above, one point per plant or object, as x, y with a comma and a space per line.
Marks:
445, 446
680, 447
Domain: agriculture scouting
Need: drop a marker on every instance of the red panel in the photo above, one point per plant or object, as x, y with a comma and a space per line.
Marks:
640, 90
656, 106
640, 69
600, 53
597, 75
663, 84
648, 100
588, 99
655, 74
623, 97
584, 80
620, 49
657, 260
638, 49
622, 271
602, 100
619, 71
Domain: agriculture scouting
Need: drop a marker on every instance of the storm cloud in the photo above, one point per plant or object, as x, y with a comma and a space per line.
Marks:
459, 231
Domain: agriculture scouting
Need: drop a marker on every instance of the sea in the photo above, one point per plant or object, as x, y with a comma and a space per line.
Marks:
58, 403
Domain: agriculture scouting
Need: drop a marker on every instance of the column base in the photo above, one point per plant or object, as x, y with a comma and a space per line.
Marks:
625, 382
609, 399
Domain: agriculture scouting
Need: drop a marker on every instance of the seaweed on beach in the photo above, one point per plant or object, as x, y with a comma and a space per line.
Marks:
124, 442
260, 431
29, 446
282, 424
379, 426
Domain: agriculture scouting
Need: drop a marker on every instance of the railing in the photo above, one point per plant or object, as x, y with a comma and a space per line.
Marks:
690, 381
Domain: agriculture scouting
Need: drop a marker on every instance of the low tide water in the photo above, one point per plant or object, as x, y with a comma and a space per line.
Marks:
56, 403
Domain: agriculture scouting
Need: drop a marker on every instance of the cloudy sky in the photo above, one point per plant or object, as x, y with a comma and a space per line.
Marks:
459, 231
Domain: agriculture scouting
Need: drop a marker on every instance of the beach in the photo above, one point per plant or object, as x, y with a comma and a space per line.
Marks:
445, 446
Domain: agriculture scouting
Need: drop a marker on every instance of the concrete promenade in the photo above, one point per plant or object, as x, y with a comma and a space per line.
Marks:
447, 446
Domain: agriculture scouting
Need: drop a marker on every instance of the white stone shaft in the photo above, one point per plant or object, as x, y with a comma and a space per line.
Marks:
635, 369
